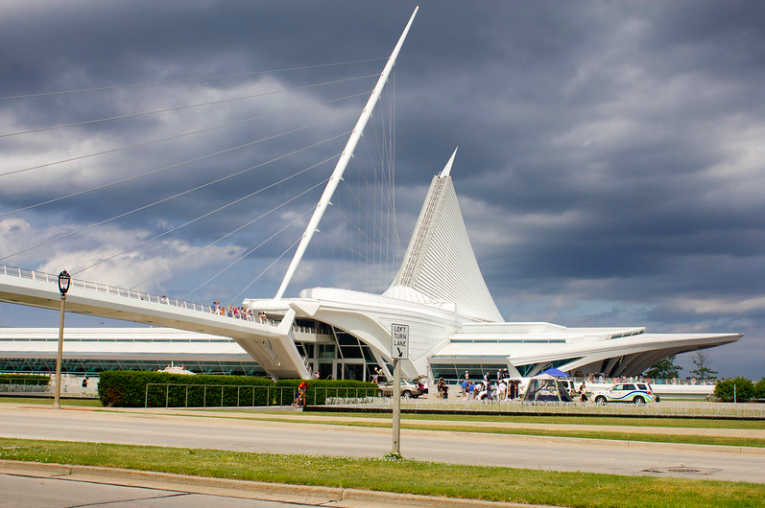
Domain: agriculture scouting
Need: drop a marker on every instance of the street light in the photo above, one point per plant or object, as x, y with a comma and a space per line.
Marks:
64, 279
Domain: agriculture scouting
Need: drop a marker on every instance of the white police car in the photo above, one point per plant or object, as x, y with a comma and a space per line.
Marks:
637, 393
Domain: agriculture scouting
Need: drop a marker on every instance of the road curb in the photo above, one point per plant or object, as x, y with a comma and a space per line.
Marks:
304, 494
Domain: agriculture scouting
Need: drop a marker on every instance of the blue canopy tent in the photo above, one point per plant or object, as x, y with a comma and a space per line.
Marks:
555, 373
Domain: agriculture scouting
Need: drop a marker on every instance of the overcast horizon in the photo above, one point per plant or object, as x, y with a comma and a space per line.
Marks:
610, 163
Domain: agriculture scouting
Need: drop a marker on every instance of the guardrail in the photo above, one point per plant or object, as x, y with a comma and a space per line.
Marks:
219, 395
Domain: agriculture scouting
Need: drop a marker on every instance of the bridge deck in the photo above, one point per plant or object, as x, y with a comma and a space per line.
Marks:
271, 345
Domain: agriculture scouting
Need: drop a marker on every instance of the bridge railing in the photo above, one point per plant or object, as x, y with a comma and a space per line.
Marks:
23, 273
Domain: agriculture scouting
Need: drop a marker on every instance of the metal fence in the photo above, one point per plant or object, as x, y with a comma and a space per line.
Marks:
662, 409
220, 395
327, 395
225, 395
19, 385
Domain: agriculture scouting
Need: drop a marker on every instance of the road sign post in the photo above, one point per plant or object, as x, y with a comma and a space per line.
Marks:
399, 351
396, 448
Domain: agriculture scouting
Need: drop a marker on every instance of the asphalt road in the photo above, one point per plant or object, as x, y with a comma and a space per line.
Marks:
229, 433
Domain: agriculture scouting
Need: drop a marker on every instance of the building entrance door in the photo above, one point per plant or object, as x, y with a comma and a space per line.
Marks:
354, 371
326, 370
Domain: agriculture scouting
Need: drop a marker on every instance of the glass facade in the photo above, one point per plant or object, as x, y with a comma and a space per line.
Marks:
347, 358
47, 366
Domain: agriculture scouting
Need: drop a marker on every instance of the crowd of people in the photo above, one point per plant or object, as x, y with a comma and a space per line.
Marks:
500, 387
238, 312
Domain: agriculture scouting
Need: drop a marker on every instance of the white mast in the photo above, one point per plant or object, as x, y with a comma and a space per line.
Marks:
337, 174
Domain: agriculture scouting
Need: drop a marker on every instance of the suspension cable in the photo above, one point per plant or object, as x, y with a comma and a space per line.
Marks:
172, 166
257, 246
66, 235
204, 216
185, 80
269, 266
190, 133
188, 106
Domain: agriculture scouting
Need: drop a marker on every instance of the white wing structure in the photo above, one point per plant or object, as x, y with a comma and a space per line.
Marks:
439, 262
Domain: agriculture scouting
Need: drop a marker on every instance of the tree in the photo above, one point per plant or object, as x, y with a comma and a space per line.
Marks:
744, 390
759, 389
702, 370
664, 369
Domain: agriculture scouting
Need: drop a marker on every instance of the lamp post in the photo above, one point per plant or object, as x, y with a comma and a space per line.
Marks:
64, 279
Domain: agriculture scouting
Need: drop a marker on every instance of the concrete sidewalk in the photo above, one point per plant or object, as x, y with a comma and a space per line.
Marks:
242, 489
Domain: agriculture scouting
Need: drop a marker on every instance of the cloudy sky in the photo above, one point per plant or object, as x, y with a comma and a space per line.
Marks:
610, 166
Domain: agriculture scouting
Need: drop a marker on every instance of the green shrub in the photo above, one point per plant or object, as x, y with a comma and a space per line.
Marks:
124, 388
321, 389
744, 389
759, 389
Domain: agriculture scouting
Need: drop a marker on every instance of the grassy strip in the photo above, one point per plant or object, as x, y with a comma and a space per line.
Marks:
568, 420
45, 401
400, 475
594, 434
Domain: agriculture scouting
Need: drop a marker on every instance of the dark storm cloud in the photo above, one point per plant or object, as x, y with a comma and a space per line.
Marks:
610, 163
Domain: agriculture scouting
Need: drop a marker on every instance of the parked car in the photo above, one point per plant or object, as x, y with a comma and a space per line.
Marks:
637, 393
409, 390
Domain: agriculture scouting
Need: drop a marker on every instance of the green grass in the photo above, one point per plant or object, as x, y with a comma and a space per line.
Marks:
44, 401
568, 420
400, 475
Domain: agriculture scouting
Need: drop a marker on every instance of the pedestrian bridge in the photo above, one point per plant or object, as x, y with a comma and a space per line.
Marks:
270, 344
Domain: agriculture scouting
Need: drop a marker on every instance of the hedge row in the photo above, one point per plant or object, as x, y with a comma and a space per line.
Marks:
126, 388
122, 388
